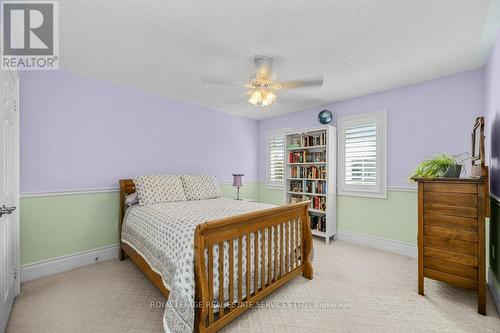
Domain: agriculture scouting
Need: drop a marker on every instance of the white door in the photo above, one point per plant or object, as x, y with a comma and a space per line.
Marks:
9, 193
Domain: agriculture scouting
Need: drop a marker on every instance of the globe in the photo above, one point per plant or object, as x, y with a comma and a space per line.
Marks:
325, 117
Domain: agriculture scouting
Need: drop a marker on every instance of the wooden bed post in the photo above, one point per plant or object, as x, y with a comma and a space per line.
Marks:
201, 298
308, 247
127, 186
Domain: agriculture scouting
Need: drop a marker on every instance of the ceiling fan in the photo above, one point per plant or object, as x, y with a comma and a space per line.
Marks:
262, 86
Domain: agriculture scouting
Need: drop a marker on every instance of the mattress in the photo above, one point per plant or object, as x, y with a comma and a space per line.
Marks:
163, 234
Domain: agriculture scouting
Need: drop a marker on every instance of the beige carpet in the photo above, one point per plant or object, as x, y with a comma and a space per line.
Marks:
356, 289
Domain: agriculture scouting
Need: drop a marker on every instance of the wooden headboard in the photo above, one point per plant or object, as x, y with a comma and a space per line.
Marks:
127, 187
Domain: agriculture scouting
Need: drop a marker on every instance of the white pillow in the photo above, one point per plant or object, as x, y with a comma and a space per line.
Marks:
201, 187
159, 188
132, 199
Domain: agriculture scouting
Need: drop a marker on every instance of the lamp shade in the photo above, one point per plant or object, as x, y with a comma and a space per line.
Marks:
237, 179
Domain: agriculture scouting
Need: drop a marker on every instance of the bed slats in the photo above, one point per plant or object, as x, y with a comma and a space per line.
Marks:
240, 270
221, 280
292, 233
231, 273
267, 254
262, 259
210, 283
255, 262
247, 290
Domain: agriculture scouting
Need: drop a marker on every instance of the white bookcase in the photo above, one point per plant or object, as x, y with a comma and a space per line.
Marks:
311, 174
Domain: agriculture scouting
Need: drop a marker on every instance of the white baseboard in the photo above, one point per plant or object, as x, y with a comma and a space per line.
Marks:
68, 262
495, 293
378, 243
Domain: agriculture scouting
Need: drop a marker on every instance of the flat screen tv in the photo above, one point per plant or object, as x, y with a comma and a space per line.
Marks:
495, 157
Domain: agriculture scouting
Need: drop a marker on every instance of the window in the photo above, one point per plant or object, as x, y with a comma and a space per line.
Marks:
276, 158
363, 155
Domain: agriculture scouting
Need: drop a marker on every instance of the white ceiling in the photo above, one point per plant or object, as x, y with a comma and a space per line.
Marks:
359, 46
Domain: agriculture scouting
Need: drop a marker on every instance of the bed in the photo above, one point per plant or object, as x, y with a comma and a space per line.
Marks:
177, 246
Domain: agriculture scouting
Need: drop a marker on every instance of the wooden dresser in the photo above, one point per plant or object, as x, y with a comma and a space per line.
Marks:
451, 233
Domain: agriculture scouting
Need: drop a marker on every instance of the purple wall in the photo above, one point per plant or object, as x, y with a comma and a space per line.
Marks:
79, 133
492, 105
433, 116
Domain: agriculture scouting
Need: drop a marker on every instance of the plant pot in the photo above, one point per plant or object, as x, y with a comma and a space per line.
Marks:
453, 171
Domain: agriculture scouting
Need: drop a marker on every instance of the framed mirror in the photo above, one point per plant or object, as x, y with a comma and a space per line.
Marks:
477, 154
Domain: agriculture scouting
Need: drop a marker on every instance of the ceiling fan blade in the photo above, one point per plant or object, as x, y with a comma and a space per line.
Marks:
221, 81
301, 83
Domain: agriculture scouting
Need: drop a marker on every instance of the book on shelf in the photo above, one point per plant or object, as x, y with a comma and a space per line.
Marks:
316, 186
307, 157
308, 140
317, 203
296, 186
318, 222
310, 172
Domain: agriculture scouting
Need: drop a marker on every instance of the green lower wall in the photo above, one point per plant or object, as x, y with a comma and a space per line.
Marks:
394, 218
248, 191
272, 196
54, 226
58, 225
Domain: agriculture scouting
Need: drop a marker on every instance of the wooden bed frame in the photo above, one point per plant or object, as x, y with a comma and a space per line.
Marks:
291, 220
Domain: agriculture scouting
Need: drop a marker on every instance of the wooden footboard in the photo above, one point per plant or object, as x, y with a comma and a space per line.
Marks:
284, 250
281, 259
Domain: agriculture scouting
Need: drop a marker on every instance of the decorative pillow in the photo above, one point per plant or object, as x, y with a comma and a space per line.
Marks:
201, 187
132, 199
159, 188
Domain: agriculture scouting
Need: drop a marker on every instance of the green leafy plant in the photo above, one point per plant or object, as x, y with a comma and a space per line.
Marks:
438, 165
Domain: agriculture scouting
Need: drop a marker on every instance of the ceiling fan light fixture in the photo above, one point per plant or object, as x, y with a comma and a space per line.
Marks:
262, 98
270, 97
255, 98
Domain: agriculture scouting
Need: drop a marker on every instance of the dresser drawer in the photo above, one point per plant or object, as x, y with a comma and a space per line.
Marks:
450, 210
451, 279
452, 268
464, 235
451, 245
451, 199
458, 258
450, 221
450, 188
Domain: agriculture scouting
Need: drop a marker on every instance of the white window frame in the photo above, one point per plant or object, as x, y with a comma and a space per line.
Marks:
374, 191
275, 184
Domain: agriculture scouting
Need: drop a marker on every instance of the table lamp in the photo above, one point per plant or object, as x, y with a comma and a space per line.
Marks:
237, 183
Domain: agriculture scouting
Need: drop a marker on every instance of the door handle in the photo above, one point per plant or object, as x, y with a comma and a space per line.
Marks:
6, 210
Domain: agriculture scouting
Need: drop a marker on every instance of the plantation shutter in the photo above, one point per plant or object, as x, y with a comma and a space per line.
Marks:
361, 154
276, 159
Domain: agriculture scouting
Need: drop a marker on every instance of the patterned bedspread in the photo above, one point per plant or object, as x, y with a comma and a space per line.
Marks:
163, 234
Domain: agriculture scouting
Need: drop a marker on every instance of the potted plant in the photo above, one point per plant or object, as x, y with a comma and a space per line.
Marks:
441, 165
